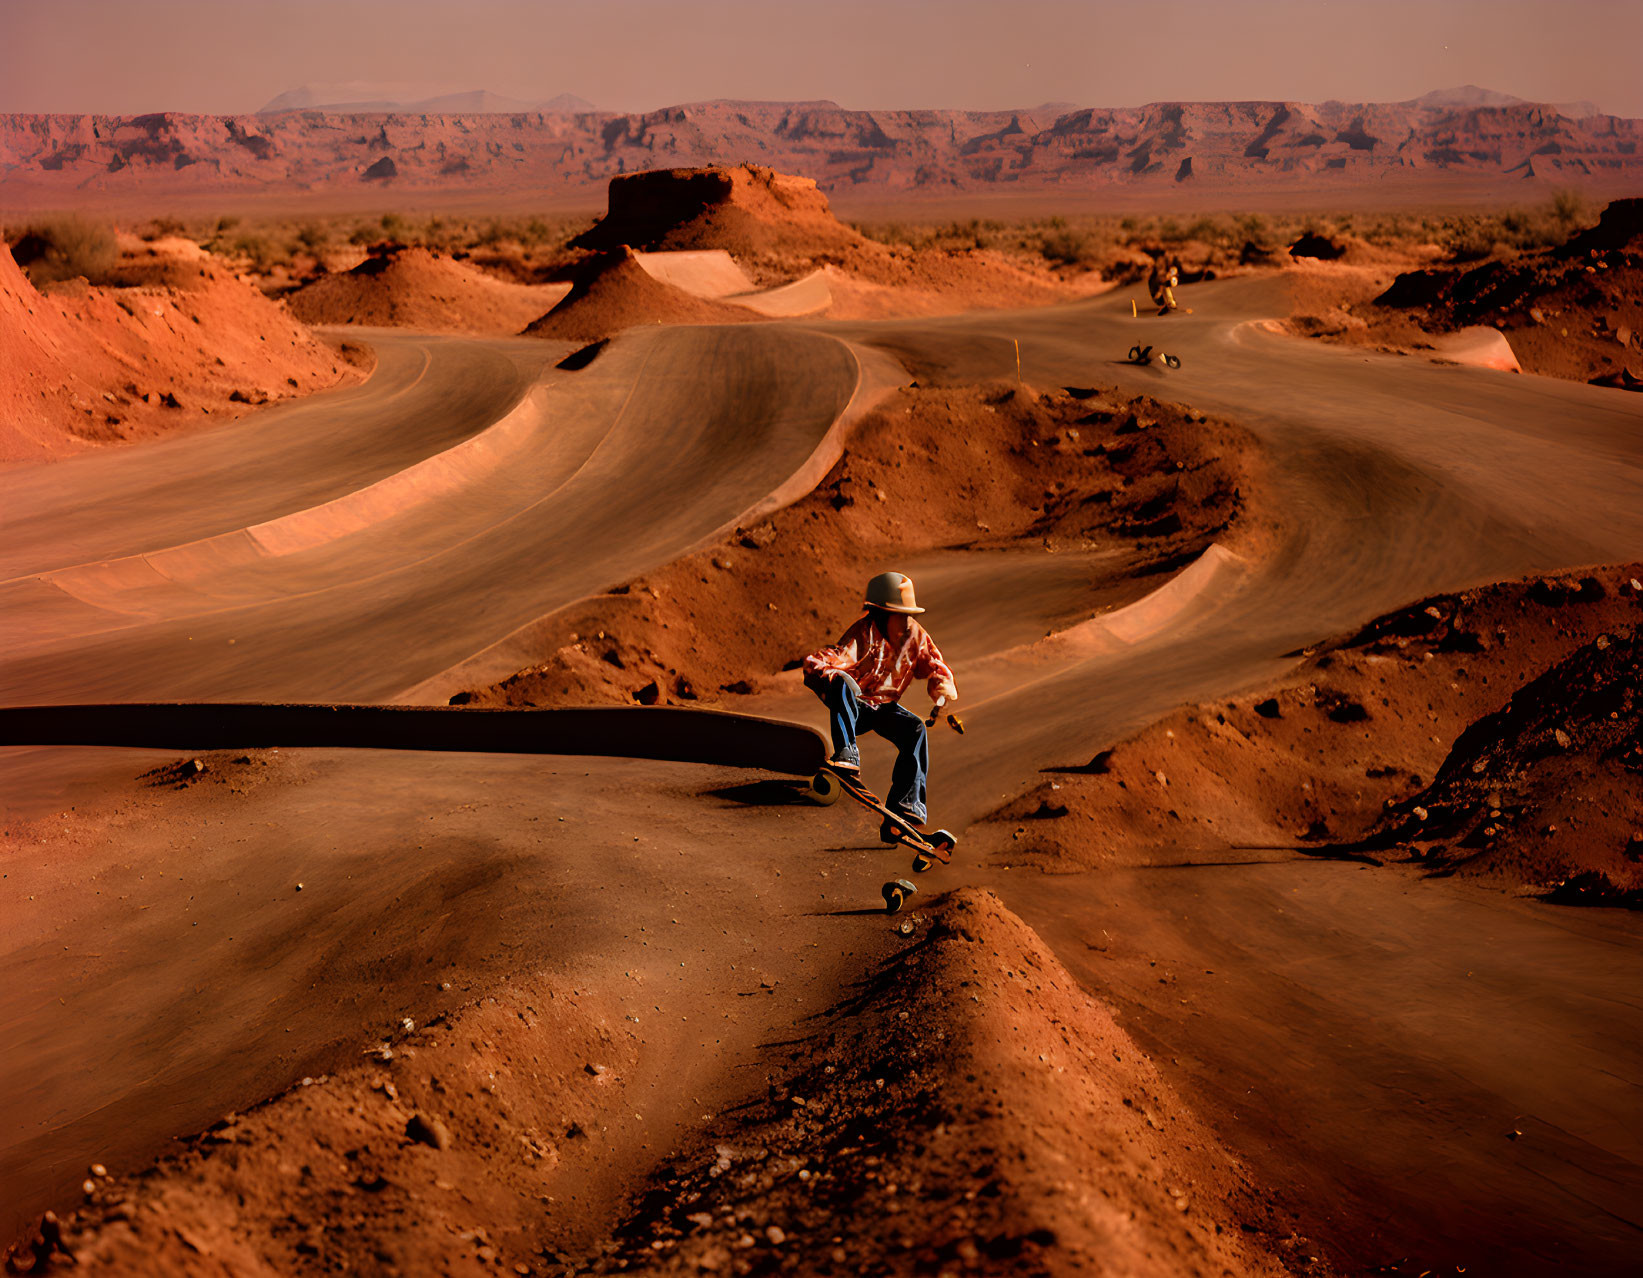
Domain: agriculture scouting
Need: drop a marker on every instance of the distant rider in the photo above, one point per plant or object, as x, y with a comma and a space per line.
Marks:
1161, 282
861, 679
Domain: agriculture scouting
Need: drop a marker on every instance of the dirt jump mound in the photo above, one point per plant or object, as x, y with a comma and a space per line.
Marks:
419, 288
612, 292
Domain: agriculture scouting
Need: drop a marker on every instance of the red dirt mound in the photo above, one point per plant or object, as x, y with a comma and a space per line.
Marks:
418, 288
1151, 484
780, 227
1565, 754
747, 210
1366, 723
1575, 311
970, 1109
612, 292
83, 366
975, 1112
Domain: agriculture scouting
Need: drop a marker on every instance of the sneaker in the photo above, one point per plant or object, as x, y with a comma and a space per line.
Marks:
846, 758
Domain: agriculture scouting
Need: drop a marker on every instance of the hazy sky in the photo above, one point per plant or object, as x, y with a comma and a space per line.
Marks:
120, 56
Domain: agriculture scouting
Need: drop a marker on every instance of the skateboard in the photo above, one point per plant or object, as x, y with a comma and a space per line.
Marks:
1143, 355
936, 848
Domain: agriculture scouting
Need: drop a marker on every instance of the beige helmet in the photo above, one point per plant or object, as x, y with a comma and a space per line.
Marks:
892, 592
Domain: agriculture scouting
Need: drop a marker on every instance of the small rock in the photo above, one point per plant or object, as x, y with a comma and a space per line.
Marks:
776, 1235
593, 1069
1268, 709
1160, 778
1419, 814
1564, 741
428, 1131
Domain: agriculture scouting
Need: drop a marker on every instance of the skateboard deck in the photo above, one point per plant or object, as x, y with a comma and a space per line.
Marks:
936, 848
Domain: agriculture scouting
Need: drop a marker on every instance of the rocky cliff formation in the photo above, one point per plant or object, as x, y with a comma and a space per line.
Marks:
1164, 151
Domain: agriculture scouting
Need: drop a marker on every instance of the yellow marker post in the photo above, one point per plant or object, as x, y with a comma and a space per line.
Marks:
1017, 343
1134, 314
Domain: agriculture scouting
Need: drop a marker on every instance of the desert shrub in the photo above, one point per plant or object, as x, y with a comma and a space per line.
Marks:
437, 233
315, 237
263, 251
161, 227
226, 224
1067, 246
1251, 226
394, 227
1568, 207
1169, 230
1208, 228
493, 234
65, 247
365, 233
1387, 231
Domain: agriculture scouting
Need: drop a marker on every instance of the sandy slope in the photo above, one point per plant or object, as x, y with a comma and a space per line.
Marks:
1345, 747
82, 367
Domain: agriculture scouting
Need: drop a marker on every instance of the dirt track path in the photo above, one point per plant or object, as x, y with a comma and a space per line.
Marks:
1395, 479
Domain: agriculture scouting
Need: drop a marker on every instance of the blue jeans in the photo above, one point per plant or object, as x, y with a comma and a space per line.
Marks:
850, 716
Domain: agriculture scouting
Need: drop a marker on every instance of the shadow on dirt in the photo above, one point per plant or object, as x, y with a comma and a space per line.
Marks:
769, 793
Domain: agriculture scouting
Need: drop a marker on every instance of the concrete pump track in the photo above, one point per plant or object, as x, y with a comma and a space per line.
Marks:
1378, 1034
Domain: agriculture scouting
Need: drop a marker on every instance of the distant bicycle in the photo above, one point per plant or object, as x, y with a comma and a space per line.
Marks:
1143, 355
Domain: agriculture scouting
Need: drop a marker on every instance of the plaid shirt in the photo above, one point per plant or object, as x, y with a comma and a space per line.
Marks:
883, 670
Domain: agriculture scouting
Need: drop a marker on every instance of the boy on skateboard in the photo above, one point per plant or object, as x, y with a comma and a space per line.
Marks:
862, 678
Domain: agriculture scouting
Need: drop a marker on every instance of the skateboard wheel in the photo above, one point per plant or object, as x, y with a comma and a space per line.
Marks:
895, 892
1135, 354
943, 839
1174, 361
824, 789
921, 863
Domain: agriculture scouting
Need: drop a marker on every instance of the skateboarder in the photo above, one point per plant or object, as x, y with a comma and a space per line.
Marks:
1161, 282
861, 679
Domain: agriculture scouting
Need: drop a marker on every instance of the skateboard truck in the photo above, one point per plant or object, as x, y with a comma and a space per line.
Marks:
953, 721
